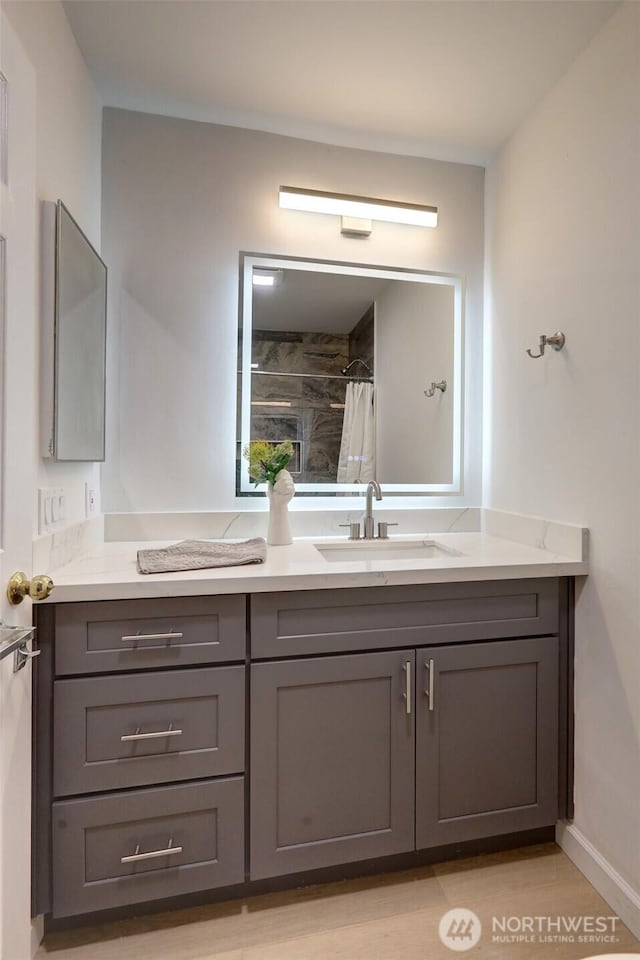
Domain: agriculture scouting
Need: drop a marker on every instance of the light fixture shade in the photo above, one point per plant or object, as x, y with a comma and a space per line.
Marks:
363, 208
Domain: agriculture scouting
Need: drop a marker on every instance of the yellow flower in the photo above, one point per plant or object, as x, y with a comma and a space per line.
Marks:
266, 459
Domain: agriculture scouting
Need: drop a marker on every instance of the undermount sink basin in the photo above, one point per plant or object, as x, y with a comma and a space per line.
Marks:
384, 550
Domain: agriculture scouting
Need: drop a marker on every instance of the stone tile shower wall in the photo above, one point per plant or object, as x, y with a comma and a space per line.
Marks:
361, 342
306, 416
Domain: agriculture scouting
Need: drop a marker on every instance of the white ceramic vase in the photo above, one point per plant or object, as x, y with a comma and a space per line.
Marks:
279, 494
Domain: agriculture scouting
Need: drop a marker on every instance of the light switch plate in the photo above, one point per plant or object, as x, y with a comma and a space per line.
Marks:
51, 509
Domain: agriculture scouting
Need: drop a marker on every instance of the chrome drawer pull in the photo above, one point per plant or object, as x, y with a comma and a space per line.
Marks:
152, 636
128, 737
135, 857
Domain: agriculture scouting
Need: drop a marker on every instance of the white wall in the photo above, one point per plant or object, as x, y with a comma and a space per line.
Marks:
562, 433
68, 129
414, 346
180, 200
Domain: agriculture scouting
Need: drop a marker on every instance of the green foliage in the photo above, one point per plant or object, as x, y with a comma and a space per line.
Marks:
266, 460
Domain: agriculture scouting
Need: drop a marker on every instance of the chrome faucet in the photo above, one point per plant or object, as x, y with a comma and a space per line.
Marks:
373, 487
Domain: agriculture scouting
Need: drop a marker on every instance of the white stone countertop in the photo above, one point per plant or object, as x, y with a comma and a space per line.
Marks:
108, 571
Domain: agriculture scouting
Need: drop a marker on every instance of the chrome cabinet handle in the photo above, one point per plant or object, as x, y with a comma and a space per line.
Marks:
152, 854
429, 666
152, 636
128, 737
407, 687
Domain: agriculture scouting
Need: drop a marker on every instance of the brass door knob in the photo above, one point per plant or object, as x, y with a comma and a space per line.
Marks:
38, 588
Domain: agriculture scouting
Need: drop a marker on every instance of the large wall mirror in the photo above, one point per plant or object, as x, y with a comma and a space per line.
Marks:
360, 367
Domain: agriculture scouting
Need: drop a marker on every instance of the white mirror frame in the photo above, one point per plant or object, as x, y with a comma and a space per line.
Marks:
250, 260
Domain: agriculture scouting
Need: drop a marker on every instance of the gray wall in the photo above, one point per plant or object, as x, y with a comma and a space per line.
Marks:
180, 200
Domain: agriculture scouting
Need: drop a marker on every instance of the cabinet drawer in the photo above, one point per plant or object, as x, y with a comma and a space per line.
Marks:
327, 621
94, 840
129, 635
199, 711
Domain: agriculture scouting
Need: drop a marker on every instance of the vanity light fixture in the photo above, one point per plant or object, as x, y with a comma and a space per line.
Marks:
357, 212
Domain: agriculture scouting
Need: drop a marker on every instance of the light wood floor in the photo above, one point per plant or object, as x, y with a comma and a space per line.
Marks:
387, 917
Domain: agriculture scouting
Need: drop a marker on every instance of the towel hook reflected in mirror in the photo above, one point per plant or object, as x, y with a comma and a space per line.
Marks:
556, 340
442, 385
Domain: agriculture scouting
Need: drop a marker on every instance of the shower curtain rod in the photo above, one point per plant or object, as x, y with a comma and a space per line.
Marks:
316, 376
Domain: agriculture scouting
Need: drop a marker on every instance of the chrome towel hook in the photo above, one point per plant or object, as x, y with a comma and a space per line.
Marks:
435, 386
556, 340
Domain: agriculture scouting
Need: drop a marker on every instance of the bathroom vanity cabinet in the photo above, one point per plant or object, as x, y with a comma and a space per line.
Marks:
373, 753
336, 726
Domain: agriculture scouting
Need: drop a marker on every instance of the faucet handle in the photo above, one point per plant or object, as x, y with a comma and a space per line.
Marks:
354, 529
383, 529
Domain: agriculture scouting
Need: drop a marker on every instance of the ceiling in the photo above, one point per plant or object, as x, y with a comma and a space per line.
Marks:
449, 79
312, 301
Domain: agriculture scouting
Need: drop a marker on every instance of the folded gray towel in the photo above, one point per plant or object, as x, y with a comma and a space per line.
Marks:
200, 554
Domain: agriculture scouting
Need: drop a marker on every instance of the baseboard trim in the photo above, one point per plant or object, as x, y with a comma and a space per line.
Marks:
607, 881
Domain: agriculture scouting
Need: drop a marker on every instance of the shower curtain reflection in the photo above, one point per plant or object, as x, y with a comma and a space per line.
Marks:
356, 463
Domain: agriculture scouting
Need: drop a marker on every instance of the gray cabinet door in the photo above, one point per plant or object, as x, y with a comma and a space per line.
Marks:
332, 761
486, 739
